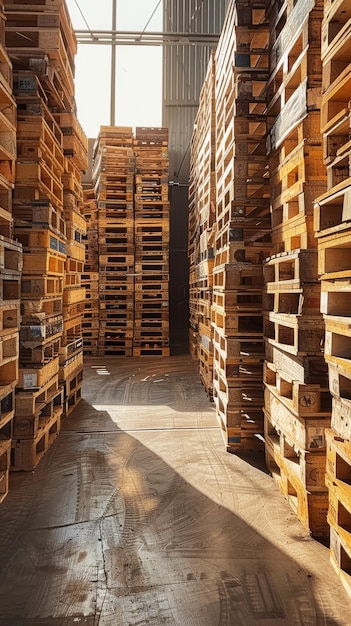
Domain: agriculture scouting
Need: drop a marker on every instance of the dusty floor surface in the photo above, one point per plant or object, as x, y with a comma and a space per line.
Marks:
138, 516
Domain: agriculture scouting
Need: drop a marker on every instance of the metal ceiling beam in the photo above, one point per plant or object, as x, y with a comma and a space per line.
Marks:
142, 38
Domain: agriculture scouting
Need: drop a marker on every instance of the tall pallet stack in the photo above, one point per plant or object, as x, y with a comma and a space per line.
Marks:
39, 397
75, 149
193, 249
151, 229
113, 177
202, 206
297, 401
128, 243
90, 277
333, 230
10, 266
242, 238
41, 43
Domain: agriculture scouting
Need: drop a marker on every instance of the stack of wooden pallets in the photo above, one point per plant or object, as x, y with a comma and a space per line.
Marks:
39, 37
75, 149
128, 243
333, 230
10, 267
193, 255
39, 397
297, 401
151, 229
114, 185
242, 237
90, 277
51, 155
10, 275
202, 199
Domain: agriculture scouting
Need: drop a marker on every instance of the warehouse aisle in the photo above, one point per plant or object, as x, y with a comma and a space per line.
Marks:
138, 516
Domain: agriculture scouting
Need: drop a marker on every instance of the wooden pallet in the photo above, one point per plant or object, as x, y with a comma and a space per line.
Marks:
90, 345
73, 399
26, 453
72, 385
237, 392
205, 357
27, 426
70, 366
9, 316
40, 353
292, 475
73, 295
304, 431
46, 262
45, 289
232, 322
37, 376
338, 482
75, 142
37, 330
70, 349
7, 402
149, 334
246, 348
10, 258
5, 463
337, 344
152, 270
72, 187
6, 429
29, 398
152, 349
303, 398
150, 211
113, 211
114, 350
8, 370
293, 335
121, 328
241, 428
9, 346
108, 302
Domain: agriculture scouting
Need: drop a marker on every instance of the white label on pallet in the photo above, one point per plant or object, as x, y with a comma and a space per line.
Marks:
315, 438
29, 381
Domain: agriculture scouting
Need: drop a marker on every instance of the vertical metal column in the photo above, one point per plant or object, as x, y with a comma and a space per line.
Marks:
113, 65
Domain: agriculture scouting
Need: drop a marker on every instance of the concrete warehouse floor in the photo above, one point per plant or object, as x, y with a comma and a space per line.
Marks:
137, 516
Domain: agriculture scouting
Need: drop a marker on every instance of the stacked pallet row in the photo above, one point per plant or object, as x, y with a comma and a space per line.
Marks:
90, 277
10, 266
128, 244
333, 230
113, 177
39, 396
151, 230
202, 199
42, 45
297, 400
193, 250
75, 149
242, 237
40, 227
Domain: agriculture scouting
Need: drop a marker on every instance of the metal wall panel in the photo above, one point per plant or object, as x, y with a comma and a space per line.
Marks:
184, 70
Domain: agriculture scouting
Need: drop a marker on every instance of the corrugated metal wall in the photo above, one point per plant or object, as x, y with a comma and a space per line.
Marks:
184, 69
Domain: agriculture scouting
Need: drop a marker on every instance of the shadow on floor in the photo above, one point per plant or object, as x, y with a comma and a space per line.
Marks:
136, 515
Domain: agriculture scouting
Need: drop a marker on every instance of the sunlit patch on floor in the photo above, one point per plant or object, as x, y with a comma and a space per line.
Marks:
101, 370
